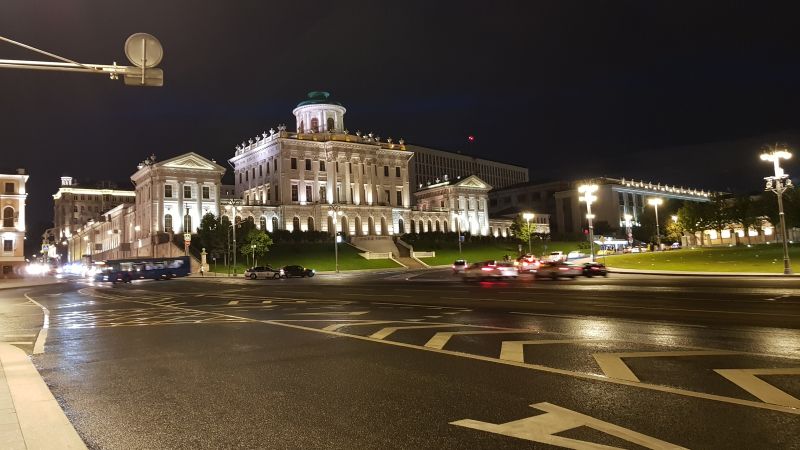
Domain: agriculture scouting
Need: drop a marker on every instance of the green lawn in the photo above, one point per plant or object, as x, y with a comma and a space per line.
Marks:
759, 258
316, 256
447, 252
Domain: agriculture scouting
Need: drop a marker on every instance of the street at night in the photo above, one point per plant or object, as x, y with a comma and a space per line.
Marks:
420, 360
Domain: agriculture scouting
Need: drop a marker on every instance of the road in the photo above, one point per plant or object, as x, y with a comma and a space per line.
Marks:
420, 360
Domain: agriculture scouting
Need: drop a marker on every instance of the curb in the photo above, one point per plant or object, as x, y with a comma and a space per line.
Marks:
41, 420
667, 273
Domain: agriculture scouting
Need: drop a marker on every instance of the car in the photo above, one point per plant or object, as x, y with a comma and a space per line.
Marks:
592, 269
556, 256
254, 273
459, 265
113, 275
527, 263
490, 270
558, 269
297, 271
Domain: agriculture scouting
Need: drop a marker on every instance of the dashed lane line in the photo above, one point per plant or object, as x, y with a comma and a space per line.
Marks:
748, 380
536, 367
613, 366
439, 340
713, 311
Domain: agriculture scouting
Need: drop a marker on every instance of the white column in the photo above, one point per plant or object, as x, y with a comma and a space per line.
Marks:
178, 227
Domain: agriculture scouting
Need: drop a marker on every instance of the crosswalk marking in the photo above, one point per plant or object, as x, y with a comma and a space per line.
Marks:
613, 367
748, 380
439, 340
514, 350
331, 313
337, 326
233, 302
544, 428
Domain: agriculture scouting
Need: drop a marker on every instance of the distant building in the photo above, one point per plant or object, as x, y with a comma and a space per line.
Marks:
12, 228
75, 204
430, 166
537, 198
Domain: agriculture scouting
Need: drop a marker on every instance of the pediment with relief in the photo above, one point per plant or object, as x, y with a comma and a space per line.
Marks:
190, 161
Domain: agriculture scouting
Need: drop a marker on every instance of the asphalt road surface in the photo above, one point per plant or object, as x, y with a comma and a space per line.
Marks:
418, 360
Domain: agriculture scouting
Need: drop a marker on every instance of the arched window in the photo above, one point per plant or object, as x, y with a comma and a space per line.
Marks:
296, 224
8, 217
438, 226
187, 223
384, 228
446, 229
401, 229
359, 227
310, 224
314, 124
413, 227
345, 226
167, 222
330, 123
331, 228
274, 223
430, 226
262, 224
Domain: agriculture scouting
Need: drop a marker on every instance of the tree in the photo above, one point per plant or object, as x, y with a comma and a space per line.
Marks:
745, 211
521, 230
212, 234
717, 214
257, 238
692, 219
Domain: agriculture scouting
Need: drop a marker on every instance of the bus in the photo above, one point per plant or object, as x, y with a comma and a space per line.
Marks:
127, 270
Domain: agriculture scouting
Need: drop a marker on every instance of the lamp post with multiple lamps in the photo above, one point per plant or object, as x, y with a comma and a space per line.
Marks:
334, 211
628, 231
234, 204
655, 202
588, 196
778, 184
528, 216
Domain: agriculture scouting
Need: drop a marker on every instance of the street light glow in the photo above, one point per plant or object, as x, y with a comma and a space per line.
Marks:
528, 216
656, 201
588, 196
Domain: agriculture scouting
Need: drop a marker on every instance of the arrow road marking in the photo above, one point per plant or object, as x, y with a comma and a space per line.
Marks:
747, 380
613, 367
513, 350
439, 340
544, 427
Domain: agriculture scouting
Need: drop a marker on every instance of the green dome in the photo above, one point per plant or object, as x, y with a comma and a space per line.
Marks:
318, 98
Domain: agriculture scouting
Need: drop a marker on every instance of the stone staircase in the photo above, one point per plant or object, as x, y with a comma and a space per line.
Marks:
386, 244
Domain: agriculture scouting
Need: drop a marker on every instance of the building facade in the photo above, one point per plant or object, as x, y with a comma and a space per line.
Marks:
74, 204
12, 227
430, 166
170, 197
616, 198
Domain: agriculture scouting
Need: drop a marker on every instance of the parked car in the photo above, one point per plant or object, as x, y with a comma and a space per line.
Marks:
490, 270
459, 265
263, 272
593, 269
556, 256
558, 269
527, 263
298, 271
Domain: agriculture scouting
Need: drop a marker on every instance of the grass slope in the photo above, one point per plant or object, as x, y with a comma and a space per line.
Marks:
447, 252
316, 256
759, 258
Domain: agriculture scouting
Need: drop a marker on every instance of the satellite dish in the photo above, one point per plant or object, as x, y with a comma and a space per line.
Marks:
143, 50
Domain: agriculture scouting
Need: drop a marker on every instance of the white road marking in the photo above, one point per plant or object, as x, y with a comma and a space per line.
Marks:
331, 313
748, 380
233, 302
338, 326
543, 428
613, 367
267, 301
439, 340
423, 306
38, 346
715, 311
19, 343
14, 336
378, 295
514, 350
386, 332
434, 317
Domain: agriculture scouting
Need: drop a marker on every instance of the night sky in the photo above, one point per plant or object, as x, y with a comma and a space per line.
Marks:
669, 91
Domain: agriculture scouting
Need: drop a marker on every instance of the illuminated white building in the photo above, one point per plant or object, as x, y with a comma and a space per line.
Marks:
12, 227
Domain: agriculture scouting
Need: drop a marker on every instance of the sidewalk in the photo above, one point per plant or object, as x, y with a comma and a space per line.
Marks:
14, 283
698, 274
30, 417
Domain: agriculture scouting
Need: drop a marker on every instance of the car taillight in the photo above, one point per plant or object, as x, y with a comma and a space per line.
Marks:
487, 268
595, 268
563, 268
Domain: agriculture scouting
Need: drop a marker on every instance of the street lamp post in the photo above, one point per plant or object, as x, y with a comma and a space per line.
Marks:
528, 217
778, 184
588, 196
187, 233
654, 202
628, 231
233, 204
335, 212
253, 247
